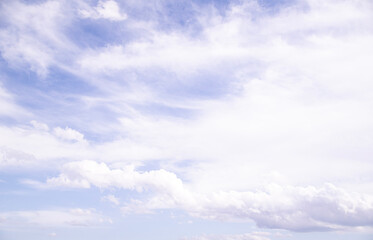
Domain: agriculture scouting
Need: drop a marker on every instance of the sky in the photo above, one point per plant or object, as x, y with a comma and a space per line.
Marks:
186, 120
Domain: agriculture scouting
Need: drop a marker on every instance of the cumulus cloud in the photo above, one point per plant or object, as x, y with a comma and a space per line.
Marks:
87, 173
106, 10
291, 208
30, 148
53, 218
11, 158
68, 134
294, 208
283, 207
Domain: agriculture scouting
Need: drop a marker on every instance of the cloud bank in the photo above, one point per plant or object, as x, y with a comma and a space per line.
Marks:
281, 207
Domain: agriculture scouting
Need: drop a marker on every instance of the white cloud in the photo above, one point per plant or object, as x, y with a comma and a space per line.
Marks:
52, 218
33, 35
111, 198
106, 10
39, 126
283, 207
10, 158
249, 131
291, 208
37, 148
175, 53
100, 175
294, 208
300, 83
68, 134
135, 207
236, 40
59, 145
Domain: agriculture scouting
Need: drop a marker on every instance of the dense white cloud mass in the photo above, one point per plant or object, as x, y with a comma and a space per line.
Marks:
285, 207
227, 111
295, 208
100, 175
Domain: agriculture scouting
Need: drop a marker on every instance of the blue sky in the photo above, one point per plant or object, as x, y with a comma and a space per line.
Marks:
186, 120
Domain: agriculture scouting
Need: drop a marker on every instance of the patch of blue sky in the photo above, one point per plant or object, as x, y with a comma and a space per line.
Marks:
202, 84
53, 98
155, 109
18, 195
57, 82
276, 4
90, 34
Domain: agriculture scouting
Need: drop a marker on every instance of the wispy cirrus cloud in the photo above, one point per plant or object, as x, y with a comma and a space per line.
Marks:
33, 35
8, 105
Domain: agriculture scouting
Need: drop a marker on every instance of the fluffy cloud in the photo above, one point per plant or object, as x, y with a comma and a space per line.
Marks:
106, 10
294, 208
89, 173
10, 158
68, 134
52, 218
283, 207
37, 147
